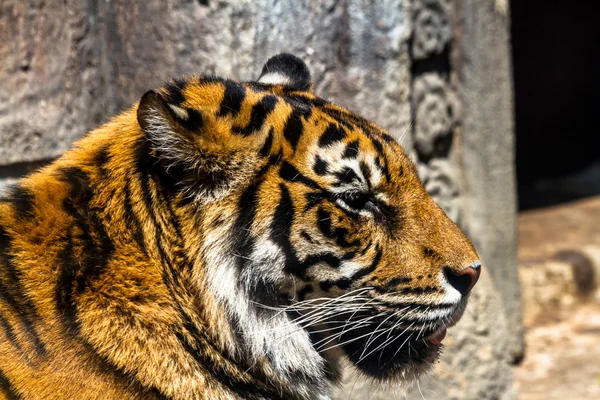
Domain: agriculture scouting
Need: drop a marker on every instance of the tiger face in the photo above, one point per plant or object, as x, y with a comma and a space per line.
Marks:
311, 227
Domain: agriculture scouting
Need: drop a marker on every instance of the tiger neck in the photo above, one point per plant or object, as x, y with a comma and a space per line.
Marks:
217, 303
265, 340
201, 339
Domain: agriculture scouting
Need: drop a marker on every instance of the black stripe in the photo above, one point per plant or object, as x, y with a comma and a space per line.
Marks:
346, 176
359, 274
340, 117
144, 168
69, 269
233, 98
259, 113
383, 168
101, 159
338, 234
391, 286
132, 221
266, 147
351, 150
313, 199
349, 119
194, 121
327, 258
291, 174
382, 156
22, 200
7, 389
281, 229
387, 138
304, 291
87, 230
378, 146
175, 92
306, 236
294, 126
13, 293
398, 280
320, 166
343, 283
366, 171
367, 247
241, 234
10, 334
313, 101
331, 135
419, 290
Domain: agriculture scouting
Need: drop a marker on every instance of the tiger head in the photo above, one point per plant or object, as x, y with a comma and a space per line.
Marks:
311, 228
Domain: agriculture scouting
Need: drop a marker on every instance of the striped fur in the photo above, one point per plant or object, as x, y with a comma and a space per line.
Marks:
223, 240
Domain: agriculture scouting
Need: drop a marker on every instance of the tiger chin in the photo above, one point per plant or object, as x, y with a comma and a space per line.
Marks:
225, 240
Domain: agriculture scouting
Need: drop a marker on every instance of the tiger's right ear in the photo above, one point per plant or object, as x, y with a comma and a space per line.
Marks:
160, 119
199, 153
175, 132
286, 70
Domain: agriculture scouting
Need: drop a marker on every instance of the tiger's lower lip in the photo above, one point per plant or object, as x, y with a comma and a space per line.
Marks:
437, 337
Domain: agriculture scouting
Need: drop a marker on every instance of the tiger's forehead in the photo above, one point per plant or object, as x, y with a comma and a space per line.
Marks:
300, 124
231, 98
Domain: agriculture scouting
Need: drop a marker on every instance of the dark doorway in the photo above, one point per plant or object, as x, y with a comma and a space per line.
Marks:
556, 53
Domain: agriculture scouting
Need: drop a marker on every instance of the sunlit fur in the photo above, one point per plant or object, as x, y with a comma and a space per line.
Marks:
223, 240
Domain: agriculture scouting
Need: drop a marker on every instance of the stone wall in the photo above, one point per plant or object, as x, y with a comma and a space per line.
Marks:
436, 73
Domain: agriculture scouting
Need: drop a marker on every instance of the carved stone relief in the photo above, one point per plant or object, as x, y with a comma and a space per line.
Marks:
431, 28
440, 179
436, 115
435, 106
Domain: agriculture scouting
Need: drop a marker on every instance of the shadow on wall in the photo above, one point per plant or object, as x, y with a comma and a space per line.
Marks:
556, 55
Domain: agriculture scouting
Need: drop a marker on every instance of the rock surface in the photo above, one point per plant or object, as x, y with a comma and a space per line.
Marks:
420, 68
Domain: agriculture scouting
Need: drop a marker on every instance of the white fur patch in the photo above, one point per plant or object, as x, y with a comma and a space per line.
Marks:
180, 112
275, 78
287, 344
452, 295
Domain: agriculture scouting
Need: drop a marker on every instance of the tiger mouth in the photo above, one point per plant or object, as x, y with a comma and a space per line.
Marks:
393, 353
385, 346
385, 339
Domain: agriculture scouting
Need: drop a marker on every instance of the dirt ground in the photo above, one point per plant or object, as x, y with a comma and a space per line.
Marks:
559, 262
563, 358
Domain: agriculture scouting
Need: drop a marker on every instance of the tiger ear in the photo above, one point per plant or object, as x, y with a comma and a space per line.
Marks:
174, 131
286, 70
199, 157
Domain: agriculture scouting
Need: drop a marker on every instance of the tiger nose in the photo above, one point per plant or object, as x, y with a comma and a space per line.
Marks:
464, 280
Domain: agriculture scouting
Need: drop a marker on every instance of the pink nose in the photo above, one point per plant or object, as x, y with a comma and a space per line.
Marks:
464, 280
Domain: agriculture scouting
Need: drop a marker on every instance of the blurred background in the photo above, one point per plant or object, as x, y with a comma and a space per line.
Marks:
494, 99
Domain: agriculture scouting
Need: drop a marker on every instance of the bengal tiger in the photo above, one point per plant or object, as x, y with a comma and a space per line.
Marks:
225, 240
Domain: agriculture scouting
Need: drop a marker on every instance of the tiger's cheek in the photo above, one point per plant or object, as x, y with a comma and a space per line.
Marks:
331, 247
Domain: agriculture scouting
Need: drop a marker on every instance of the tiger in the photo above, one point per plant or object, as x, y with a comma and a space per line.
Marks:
224, 239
